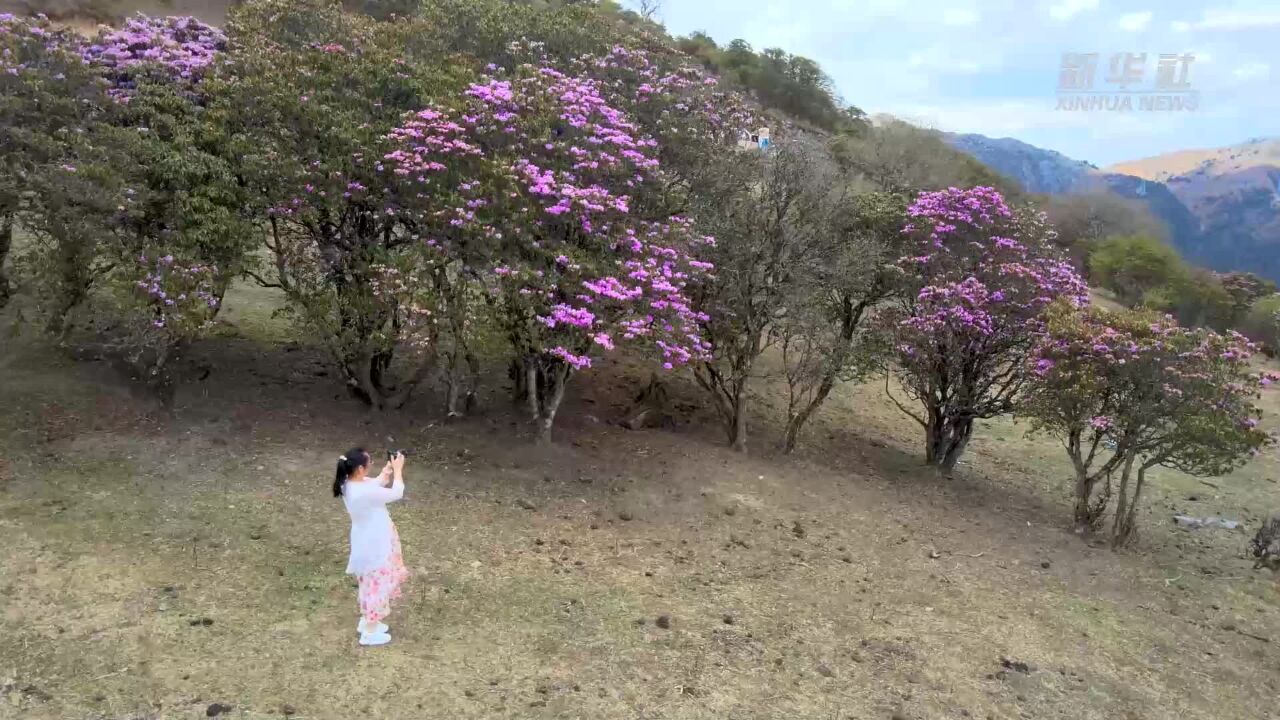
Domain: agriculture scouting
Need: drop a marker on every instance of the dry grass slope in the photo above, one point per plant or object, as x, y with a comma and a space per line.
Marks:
151, 569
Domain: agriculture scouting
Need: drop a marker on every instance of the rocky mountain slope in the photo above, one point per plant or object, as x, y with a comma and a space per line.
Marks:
1049, 172
1037, 170
1258, 152
1222, 206
1235, 193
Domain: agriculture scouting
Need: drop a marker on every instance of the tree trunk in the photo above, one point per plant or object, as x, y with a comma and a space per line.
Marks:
1124, 530
1084, 519
71, 294
451, 397
359, 372
1083, 485
1091, 505
730, 395
797, 421
547, 380
531, 389
945, 441
1122, 502
850, 318
281, 261
74, 256
461, 380
738, 428
366, 375
792, 436
160, 379
959, 441
1089, 509
519, 382
473, 365
6, 243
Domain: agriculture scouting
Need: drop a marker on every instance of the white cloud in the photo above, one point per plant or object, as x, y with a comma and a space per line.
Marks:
1018, 116
1136, 22
869, 8
937, 60
1252, 71
960, 17
1231, 20
1067, 9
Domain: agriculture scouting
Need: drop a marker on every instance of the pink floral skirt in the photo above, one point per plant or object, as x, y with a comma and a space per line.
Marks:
379, 587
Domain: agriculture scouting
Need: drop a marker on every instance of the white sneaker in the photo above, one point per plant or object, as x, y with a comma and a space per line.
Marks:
379, 638
379, 628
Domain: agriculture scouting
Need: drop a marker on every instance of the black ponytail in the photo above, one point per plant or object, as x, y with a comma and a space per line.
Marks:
354, 459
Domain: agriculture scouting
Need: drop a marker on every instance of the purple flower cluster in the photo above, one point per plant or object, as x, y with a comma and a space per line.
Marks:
677, 99
411, 291
1136, 380
175, 293
33, 44
183, 46
540, 167
984, 287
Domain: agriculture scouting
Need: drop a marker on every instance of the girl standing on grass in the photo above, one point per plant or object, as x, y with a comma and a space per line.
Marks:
375, 544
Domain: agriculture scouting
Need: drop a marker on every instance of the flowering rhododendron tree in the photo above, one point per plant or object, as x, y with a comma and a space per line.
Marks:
49, 105
315, 92
980, 276
528, 183
181, 49
182, 192
161, 304
181, 198
1092, 368
108, 182
1127, 392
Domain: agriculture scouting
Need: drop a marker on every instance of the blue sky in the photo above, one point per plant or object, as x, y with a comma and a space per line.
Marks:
992, 66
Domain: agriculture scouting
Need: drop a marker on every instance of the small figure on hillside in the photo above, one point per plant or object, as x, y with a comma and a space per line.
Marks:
375, 545
1266, 544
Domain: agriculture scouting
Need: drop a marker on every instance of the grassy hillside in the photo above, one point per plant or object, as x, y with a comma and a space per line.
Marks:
157, 567
186, 559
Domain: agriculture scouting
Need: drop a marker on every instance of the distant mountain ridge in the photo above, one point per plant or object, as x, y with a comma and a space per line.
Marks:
1257, 152
1036, 169
1222, 205
1234, 192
